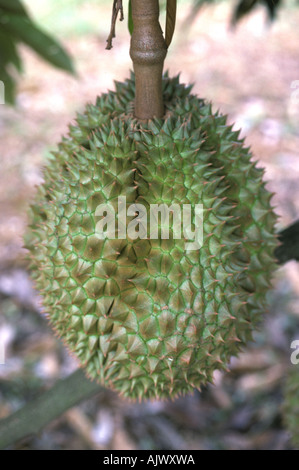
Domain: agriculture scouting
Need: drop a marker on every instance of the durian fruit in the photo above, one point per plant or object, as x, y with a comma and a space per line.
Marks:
147, 317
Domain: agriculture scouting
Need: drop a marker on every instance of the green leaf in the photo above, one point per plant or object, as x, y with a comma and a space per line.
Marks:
246, 6
130, 18
48, 48
14, 6
170, 20
8, 52
9, 87
243, 7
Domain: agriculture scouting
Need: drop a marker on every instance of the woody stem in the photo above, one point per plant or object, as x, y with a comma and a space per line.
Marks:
148, 51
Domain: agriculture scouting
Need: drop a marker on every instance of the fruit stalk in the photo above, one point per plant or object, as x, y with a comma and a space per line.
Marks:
148, 51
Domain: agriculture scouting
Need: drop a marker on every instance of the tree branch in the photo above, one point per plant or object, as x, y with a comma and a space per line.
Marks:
34, 416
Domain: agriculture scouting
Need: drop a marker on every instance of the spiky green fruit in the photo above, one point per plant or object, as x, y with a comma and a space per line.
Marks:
145, 316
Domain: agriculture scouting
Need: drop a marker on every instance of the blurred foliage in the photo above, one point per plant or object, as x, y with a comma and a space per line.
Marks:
246, 6
242, 8
16, 28
291, 404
